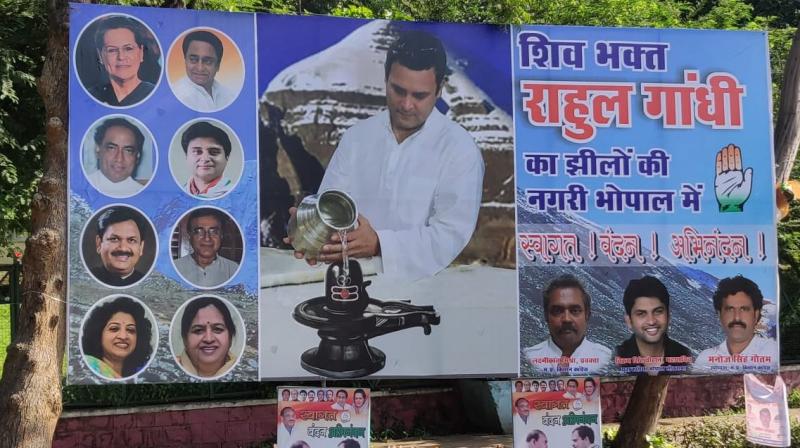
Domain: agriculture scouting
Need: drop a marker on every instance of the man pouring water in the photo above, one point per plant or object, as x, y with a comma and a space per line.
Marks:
415, 175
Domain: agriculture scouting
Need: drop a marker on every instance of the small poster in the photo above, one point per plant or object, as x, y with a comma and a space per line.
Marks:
556, 412
319, 417
767, 412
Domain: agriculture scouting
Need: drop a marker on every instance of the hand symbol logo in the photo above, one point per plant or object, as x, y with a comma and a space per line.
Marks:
732, 185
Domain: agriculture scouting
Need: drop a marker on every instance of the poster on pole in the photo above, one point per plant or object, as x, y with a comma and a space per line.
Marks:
645, 201
767, 412
560, 411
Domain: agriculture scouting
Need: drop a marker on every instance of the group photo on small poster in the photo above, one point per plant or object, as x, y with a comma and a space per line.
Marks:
556, 412
320, 417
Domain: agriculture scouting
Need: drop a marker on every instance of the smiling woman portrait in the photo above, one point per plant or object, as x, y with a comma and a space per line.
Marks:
208, 332
117, 338
125, 64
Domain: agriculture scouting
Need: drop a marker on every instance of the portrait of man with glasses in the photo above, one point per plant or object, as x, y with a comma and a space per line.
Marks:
204, 266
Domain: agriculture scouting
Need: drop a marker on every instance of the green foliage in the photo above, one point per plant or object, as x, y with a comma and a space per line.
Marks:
794, 398
710, 432
640, 13
726, 14
214, 5
116, 395
609, 434
653, 440
658, 441
22, 36
716, 433
357, 11
5, 332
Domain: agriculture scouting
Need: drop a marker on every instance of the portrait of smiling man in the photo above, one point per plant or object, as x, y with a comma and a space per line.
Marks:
739, 302
646, 302
204, 266
118, 146
120, 243
199, 90
207, 149
567, 309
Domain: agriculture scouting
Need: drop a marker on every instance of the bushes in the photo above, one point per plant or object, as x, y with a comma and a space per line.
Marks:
709, 432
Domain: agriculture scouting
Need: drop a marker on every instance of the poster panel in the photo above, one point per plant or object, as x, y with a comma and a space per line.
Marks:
163, 260
562, 411
319, 417
767, 412
645, 201
427, 170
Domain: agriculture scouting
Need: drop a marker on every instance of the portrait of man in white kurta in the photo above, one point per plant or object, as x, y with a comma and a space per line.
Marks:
415, 175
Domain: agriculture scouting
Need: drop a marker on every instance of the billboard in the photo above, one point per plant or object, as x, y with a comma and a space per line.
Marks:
439, 201
255, 196
163, 258
645, 206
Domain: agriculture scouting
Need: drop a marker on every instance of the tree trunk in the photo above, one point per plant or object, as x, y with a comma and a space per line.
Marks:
787, 127
643, 411
30, 390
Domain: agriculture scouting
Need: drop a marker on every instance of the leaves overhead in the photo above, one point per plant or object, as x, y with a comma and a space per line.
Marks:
22, 41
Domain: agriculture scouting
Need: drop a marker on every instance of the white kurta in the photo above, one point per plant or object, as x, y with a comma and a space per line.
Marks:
125, 187
218, 272
589, 358
421, 196
760, 353
195, 96
521, 429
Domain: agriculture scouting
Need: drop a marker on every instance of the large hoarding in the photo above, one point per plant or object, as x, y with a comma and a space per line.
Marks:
326, 125
476, 169
645, 206
163, 267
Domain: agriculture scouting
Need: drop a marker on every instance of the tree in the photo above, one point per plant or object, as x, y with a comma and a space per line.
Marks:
30, 390
787, 127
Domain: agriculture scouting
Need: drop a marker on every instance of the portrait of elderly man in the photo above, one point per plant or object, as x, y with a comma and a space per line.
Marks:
199, 89
122, 50
118, 146
204, 266
207, 149
419, 175
646, 302
286, 430
738, 302
567, 309
120, 243
523, 422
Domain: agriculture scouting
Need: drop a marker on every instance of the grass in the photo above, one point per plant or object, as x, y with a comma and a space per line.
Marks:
5, 333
